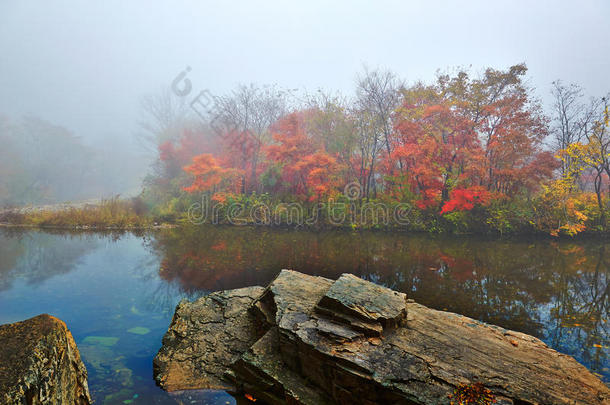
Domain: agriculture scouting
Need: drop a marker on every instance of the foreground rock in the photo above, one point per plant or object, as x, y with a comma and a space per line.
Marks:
40, 364
309, 340
204, 337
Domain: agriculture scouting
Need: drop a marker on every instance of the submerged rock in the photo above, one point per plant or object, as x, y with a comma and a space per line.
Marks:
40, 364
311, 340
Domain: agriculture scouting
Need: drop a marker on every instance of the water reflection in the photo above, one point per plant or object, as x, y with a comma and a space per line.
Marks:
37, 256
106, 287
558, 291
117, 292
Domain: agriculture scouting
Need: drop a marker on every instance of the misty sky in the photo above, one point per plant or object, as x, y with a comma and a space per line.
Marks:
85, 65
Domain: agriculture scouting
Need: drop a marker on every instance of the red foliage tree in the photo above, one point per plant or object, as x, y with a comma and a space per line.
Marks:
307, 170
238, 150
462, 133
209, 174
175, 155
464, 199
435, 146
512, 132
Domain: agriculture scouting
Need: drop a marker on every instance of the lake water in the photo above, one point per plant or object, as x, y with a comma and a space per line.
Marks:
117, 292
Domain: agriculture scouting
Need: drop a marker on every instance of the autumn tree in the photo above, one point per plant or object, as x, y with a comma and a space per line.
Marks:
209, 175
169, 128
329, 123
243, 119
592, 155
509, 123
559, 209
305, 168
464, 132
571, 118
465, 199
435, 145
175, 154
377, 97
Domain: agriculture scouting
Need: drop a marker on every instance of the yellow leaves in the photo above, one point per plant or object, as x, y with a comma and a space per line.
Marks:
578, 156
576, 221
563, 211
580, 216
476, 393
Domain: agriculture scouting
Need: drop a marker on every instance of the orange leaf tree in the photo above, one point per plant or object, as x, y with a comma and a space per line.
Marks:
210, 176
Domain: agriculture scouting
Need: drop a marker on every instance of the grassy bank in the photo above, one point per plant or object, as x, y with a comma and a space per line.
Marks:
503, 219
113, 213
500, 217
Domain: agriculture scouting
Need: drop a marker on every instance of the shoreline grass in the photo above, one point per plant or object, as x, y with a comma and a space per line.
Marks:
133, 214
112, 213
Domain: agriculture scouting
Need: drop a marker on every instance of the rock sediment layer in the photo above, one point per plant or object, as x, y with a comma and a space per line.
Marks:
311, 340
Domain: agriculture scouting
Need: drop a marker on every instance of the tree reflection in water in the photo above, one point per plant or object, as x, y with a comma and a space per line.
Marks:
38, 256
558, 291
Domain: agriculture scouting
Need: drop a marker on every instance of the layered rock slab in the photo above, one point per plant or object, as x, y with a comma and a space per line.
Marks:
362, 305
204, 337
352, 342
262, 372
40, 364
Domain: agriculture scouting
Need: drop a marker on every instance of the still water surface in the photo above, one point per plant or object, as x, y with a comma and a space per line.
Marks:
117, 292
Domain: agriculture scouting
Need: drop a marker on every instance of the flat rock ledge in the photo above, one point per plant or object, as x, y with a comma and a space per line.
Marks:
40, 364
311, 340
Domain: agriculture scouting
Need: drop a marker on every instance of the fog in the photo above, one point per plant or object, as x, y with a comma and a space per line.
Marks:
85, 67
